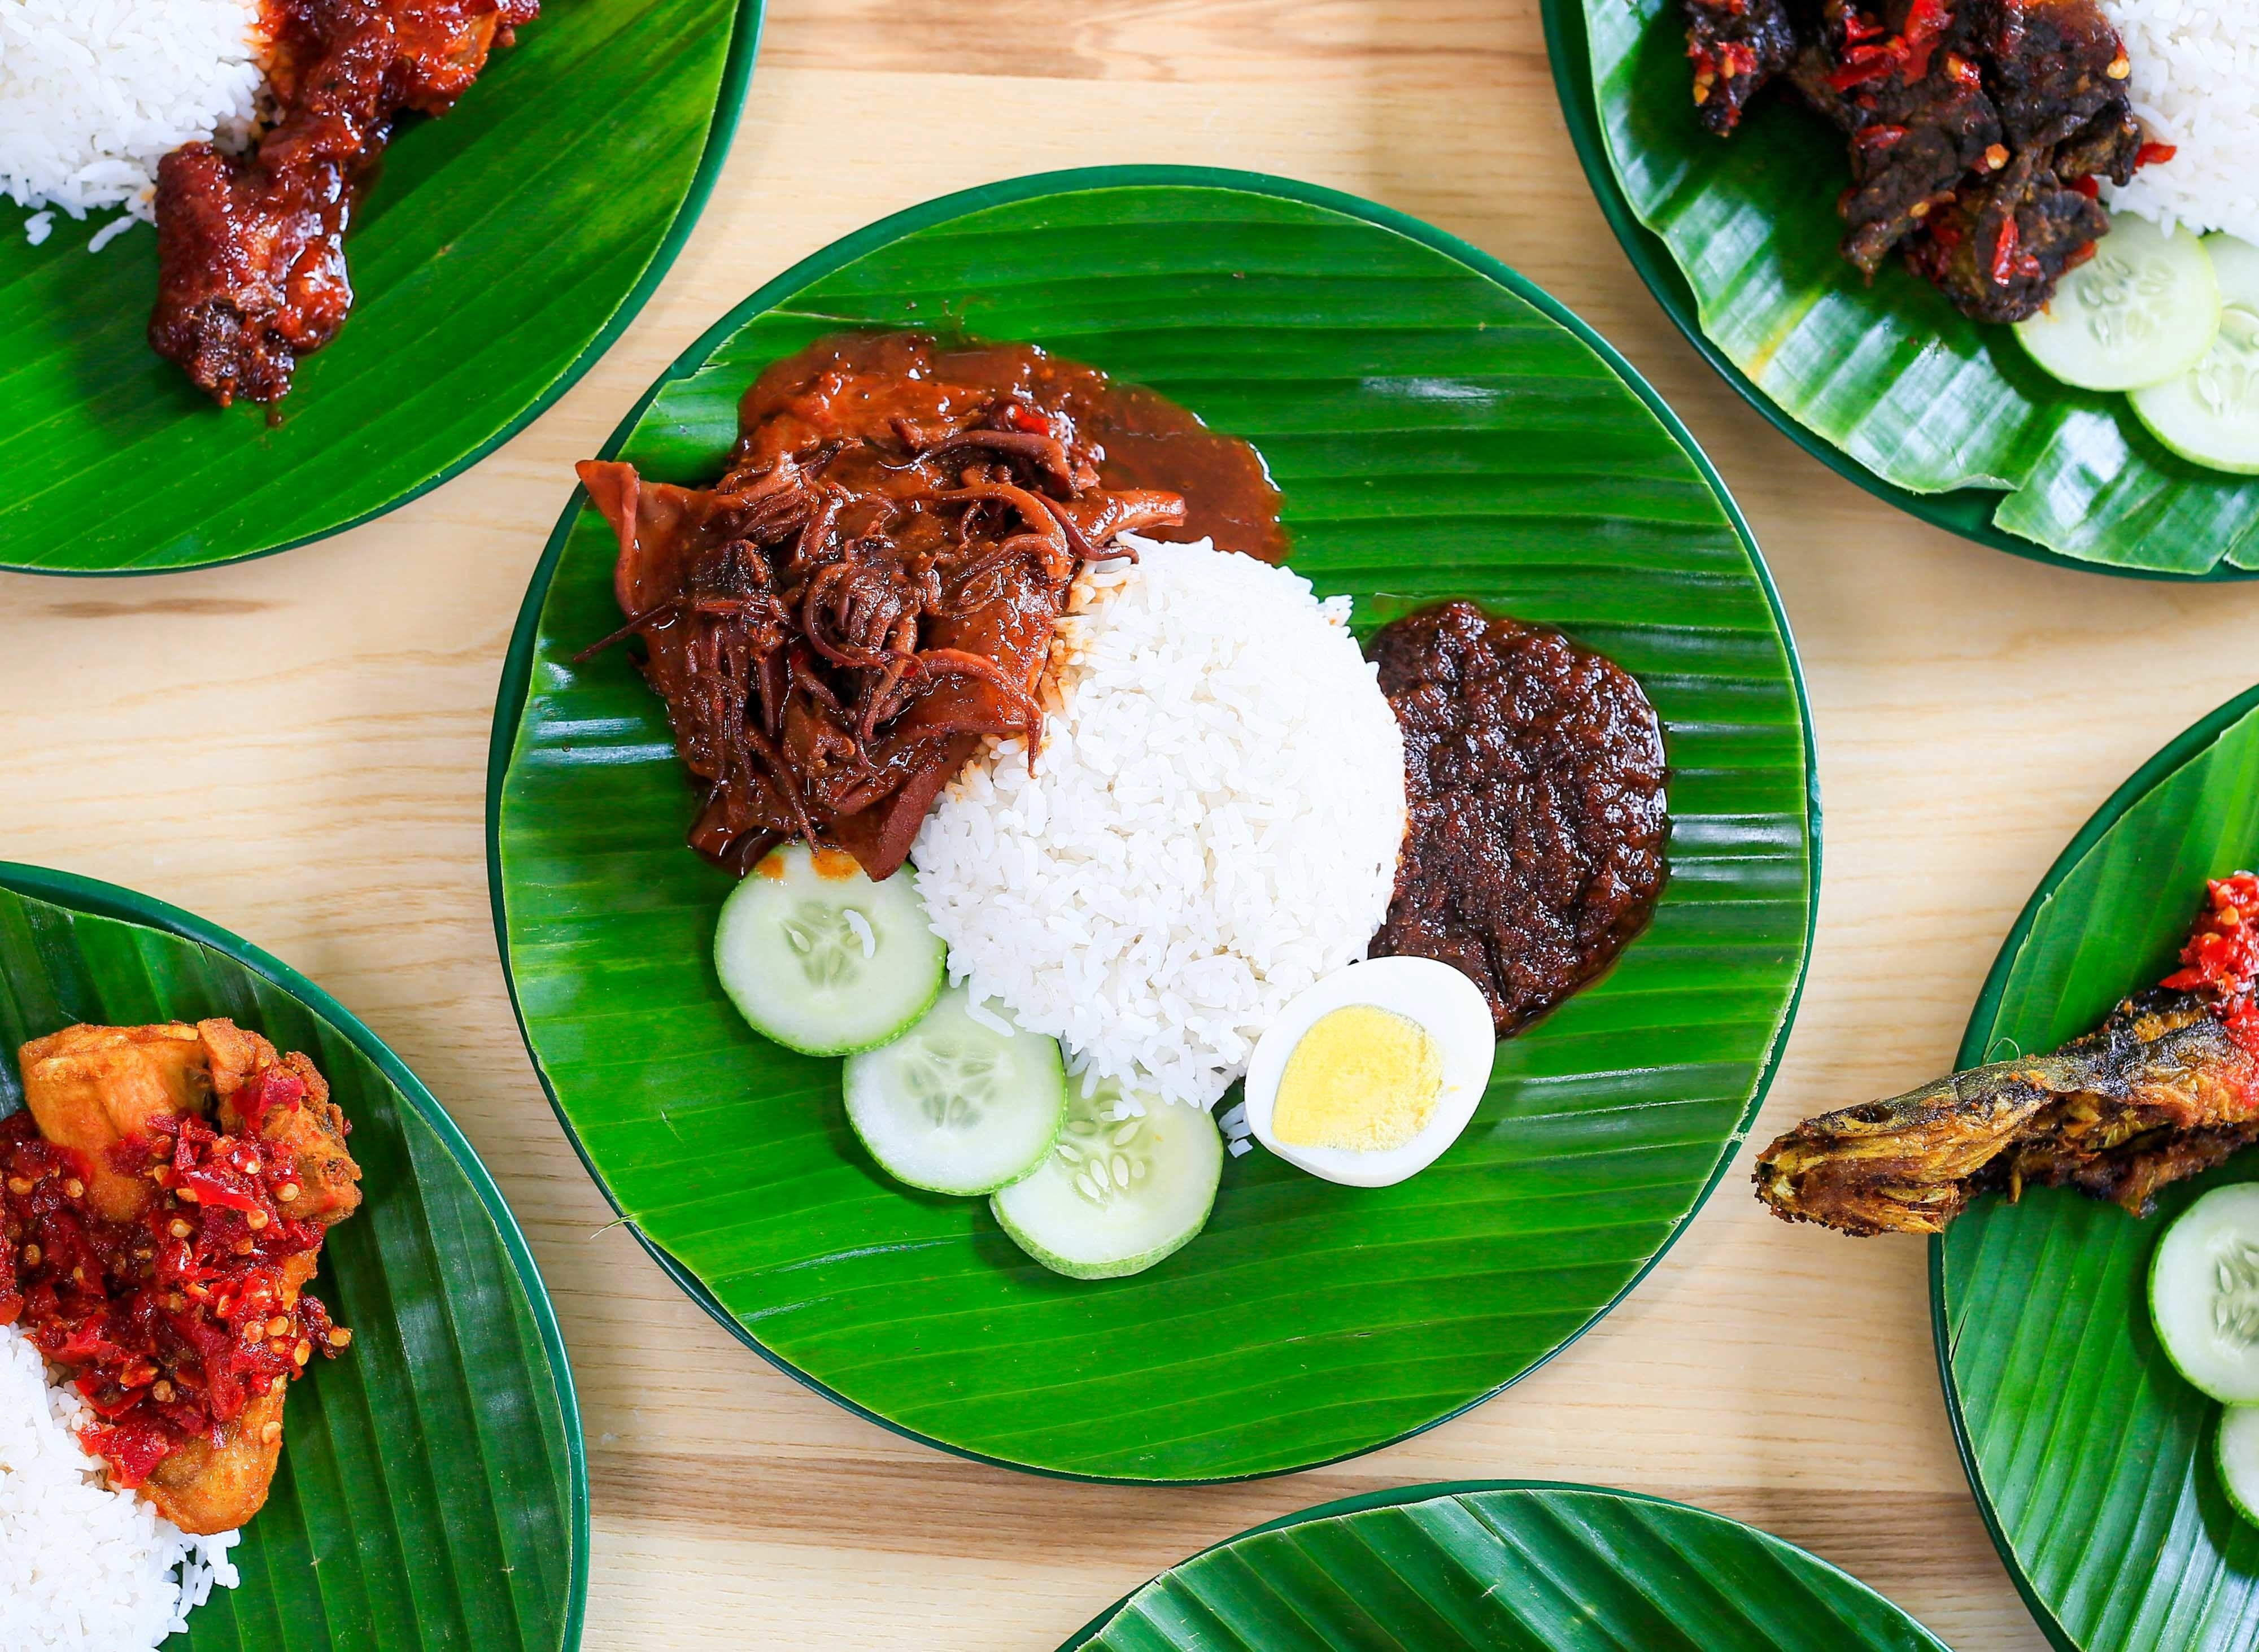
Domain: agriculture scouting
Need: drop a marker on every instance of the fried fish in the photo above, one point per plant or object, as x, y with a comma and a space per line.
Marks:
2167, 1086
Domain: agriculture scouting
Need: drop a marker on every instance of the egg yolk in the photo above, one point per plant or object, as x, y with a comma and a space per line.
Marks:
1363, 1080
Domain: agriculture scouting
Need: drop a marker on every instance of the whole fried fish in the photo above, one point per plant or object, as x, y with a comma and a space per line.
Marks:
2166, 1087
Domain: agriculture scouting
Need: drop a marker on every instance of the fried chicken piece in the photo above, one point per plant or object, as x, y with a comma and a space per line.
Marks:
314, 1131
2054, 66
217, 1484
92, 1088
252, 269
1736, 46
2160, 1090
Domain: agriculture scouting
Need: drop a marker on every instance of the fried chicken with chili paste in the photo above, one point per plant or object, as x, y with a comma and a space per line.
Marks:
1978, 131
2166, 1087
166, 1193
252, 272
871, 588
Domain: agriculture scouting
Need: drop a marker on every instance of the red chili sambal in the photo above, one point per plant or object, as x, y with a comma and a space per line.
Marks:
158, 1247
2222, 959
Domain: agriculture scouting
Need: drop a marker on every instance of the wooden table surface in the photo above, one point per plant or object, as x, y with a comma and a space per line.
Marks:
296, 749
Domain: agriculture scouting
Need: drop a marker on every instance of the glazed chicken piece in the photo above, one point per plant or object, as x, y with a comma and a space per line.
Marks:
251, 249
92, 1088
2167, 1086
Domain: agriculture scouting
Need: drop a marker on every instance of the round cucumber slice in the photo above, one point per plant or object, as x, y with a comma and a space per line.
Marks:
2237, 1453
954, 1106
1118, 1192
2204, 1293
2144, 309
2210, 415
820, 958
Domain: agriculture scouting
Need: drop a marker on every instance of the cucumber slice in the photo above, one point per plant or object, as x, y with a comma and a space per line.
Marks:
2204, 1293
954, 1106
2210, 415
820, 958
1118, 1192
2143, 310
2237, 1453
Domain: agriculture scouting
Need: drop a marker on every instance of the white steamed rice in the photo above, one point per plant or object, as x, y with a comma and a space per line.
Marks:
94, 93
83, 1567
1213, 824
2196, 86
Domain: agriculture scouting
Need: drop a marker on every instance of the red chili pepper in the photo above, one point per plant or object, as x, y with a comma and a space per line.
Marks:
1959, 68
2079, 257
2222, 959
1925, 26
2089, 186
1856, 28
2151, 154
1879, 137
2004, 252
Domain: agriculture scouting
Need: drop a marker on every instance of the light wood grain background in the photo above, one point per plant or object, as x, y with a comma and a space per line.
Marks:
296, 749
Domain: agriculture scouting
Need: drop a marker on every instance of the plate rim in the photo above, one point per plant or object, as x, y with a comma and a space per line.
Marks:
745, 24
1568, 48
75, 892
516, 675
2167, 760
1428, 1492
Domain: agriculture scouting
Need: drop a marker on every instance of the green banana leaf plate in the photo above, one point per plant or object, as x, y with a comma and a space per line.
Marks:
2091, 1459
1485, 1566
1887, 384
503, 249
1439, 428
433, 1493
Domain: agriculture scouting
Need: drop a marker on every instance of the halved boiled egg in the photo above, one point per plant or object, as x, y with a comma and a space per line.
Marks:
1369, 1075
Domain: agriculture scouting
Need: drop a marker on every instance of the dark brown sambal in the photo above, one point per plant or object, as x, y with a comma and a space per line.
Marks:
251, 248
871, 587
1534, 774
159, 1256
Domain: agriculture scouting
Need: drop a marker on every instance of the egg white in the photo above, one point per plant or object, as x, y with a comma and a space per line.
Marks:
1434, 995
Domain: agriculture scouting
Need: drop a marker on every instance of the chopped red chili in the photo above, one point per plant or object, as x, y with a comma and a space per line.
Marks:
1879, 137
2222, 959
2154, 154
2004, 252
166, 1322
2089, 186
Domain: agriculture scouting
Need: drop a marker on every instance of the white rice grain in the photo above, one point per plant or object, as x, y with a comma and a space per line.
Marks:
83, 1567
2195, 86
94, 93
1212, 824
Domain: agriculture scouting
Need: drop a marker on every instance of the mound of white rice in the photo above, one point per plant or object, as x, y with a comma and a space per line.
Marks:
82, 1568
94, 93
1213, 824
2196, 86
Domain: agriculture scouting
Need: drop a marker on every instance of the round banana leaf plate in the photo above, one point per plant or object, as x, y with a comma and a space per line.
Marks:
2091, 1459
1887, 384
433, 1492
1439, 428
502, 250
1526, 1564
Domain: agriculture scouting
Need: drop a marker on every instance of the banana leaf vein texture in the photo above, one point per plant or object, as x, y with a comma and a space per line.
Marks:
2091, 1457
1891, 374
1439, 429
1517, 1568
502, 250
433, 1492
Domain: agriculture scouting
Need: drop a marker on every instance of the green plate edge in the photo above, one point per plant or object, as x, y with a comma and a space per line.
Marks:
510, 701
2145, 779
736, 77
1404, 1496
103, 900
1964, 511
